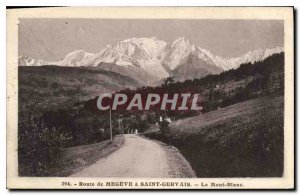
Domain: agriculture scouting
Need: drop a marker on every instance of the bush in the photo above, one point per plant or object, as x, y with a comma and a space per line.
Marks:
164, 127
39, 147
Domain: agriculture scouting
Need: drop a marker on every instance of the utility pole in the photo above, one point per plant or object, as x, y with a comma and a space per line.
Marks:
121, 127
110, 127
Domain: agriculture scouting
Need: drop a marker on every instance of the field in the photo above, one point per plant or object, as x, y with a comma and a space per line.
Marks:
241, 140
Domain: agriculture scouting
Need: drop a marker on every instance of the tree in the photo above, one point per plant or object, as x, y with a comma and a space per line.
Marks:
168, 81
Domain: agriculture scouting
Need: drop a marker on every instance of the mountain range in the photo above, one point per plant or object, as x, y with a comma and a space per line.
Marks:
149, 60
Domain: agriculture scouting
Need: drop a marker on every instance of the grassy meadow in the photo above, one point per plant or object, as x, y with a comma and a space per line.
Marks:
241, 140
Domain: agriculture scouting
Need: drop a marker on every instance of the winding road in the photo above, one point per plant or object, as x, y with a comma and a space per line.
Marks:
140, 157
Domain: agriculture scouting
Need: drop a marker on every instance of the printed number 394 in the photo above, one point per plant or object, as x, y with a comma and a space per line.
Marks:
65, 183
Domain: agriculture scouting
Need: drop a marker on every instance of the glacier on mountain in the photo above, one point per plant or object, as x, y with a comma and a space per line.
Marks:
156, 57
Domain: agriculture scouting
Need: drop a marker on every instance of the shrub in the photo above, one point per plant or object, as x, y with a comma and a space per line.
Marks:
39, 147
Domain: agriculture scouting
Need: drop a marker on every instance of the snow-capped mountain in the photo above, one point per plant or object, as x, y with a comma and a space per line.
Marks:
250, 57
144, 53
25, 60
77, 58
156, 59
177, 52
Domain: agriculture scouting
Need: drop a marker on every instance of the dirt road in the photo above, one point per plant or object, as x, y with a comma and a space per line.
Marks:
140, 157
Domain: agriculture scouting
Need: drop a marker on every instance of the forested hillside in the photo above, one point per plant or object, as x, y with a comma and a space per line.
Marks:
80, 122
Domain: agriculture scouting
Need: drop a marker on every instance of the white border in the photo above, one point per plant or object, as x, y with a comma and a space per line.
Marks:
248, 13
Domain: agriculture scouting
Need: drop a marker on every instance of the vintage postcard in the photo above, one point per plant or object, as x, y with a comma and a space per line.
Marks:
150, 98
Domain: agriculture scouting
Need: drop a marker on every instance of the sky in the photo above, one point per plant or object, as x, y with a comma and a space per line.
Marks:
52, 39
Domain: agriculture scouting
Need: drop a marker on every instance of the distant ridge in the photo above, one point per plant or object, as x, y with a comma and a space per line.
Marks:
157, 58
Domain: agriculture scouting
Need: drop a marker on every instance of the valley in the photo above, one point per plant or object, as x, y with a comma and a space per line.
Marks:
58, 110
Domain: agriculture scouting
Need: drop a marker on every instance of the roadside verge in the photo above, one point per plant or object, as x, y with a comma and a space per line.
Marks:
76, 158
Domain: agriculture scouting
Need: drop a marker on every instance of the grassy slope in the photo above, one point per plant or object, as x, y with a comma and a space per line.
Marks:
242, 140
76, 158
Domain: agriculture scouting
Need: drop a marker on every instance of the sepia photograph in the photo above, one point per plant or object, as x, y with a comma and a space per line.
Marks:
150, 102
